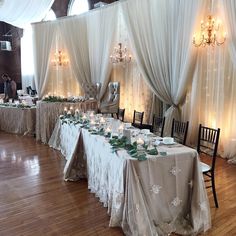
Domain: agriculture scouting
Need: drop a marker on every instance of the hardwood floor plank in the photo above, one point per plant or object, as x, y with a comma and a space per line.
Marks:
34, 199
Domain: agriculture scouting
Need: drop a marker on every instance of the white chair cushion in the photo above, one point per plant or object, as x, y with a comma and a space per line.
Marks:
205, 167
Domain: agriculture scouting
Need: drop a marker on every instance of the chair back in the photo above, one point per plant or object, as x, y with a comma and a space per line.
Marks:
91, 90
179, 131
112, 99
138, 117
208, 140
158, 124
121, 114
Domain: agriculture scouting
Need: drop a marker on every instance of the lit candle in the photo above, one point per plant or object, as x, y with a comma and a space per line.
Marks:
84, 117
91, 115
92, 122
140, 141
108, 130
77, 113
102, 120
121, 128
65, 110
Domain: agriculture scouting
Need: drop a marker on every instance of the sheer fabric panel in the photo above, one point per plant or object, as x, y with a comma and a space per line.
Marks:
160, 33
74, 35
43, 36
23, 12
229, 7
102, 25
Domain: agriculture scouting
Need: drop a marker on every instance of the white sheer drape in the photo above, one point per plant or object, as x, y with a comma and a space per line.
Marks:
43, 36
212, 97
23, 12
135, 94
230, 17
102, 25
160, 33
74, 34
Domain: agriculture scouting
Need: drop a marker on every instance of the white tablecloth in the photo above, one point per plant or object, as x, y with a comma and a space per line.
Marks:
18, 120
154, 197
48, 112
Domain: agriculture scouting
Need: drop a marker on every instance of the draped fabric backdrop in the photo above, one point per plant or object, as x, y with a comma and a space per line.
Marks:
135, 94
102, 25
74, 35
27, 11
212, 96
160, 33
43, 36
230, 19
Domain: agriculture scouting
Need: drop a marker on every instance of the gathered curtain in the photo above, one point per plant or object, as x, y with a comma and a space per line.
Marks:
230, 18
160, 33
23, 12
43, 36
74, 35
102, 25
212, 96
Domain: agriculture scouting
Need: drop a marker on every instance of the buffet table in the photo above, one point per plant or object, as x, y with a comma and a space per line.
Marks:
163, 194
48, 112
18, 120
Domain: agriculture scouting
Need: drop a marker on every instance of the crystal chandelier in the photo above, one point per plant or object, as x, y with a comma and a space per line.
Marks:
120, 55
209, 33
60, 59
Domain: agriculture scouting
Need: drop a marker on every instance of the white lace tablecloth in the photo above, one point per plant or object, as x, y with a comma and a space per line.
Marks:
154, 197
18, 120
48, 112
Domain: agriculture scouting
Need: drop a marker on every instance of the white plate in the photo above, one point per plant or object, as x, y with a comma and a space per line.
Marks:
168, 143
145, 131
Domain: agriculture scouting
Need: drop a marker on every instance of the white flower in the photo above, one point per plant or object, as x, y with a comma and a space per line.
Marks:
156, 189
176, 202
175, 170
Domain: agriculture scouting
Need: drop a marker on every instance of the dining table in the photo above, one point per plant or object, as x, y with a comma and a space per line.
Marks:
18, 119
47, 114
155, 195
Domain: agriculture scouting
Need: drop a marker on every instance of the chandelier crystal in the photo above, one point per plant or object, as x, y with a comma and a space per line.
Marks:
120, 55
60, 59
209, 33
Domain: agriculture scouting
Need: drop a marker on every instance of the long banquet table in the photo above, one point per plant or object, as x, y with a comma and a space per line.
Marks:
18, 120
158, 196
48, 112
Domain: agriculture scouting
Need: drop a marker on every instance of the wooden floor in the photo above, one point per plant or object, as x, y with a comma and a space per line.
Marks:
34, 199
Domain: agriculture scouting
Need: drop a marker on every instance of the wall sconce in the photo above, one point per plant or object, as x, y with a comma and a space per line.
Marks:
60, 59
208, 33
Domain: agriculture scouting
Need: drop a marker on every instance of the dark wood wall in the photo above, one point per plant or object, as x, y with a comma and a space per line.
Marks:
10, 61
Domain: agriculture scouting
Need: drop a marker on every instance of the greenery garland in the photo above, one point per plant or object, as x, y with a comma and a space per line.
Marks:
54, 99
115, 142
20, 105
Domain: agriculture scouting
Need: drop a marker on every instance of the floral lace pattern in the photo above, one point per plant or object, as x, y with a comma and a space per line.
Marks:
175, 170
176, 202
156, 189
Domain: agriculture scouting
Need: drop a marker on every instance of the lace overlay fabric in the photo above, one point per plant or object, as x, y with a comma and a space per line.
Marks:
18, 120
158, 196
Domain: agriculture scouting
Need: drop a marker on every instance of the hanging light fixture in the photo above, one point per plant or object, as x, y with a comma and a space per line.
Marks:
209, 33
60, 59
120, 55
